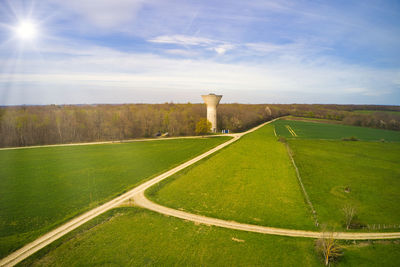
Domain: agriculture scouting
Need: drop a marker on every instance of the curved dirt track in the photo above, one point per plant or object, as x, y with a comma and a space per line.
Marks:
137, 194
142, 201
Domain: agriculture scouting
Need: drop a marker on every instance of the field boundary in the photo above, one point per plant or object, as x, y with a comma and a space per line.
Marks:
303, 189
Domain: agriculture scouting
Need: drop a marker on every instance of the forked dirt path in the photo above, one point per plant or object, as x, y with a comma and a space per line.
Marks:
137, 194
24, 252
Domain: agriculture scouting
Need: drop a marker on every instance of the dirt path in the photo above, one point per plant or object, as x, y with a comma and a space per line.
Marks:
60, 231
142, 201
117, 142
137, 194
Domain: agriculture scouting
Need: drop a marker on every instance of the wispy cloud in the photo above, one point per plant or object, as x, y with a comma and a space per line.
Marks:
183, 40
90, 68
220, 47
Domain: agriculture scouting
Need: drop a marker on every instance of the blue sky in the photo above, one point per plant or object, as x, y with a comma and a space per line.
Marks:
155, 51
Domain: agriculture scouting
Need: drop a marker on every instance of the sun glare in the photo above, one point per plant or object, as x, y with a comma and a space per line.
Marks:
26, 30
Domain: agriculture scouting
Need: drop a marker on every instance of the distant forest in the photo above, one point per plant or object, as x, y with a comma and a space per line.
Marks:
55, 124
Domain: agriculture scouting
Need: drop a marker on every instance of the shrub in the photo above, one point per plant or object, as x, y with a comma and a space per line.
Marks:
282, 139
353, 138
203, 126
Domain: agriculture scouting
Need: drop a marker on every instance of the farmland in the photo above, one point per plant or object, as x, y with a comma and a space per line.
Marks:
366, 111
365, 175
251, 181
43, 187
137, 237
315, 130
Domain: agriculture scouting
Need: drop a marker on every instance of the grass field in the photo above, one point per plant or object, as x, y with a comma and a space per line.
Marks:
315, 130
43, 187
373, 111
136, 237
250, 181
370, 169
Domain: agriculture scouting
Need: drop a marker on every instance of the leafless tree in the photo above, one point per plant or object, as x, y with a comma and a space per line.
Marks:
328, 248
349, 214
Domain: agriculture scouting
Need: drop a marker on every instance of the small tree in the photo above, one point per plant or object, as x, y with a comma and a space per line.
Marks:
349, 214
328, 248
203, 126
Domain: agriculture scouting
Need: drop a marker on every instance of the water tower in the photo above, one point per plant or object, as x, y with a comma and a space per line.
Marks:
212, 101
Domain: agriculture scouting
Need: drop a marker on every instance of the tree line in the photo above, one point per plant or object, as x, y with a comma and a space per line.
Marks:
55, 124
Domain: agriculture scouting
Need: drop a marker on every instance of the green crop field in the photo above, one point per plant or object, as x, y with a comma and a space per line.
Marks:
315, 130
373, 111
43, 187
250, 181
369, 169
137, 237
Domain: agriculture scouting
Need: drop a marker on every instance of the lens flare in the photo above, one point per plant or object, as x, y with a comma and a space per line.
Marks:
26, 30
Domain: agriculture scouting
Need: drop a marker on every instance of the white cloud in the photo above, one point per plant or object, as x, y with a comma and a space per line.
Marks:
183, 40
220, 47
107, 70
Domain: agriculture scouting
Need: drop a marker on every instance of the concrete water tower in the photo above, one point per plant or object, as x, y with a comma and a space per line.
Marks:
212, 101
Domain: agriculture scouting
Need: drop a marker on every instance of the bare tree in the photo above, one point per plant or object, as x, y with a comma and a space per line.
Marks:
349, 214
328, 248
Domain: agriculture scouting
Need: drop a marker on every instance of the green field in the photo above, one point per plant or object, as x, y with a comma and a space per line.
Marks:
136, 237
364, 111
315, 130
43, 187
370, 169
251, 181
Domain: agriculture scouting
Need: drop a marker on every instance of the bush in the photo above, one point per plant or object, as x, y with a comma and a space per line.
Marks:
282, 139
203, 126
353, 138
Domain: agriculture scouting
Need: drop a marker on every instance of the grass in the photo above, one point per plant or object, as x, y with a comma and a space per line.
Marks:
43, 187
315, 130
373, 111
251, 181
377, 253
137, 237
370, 169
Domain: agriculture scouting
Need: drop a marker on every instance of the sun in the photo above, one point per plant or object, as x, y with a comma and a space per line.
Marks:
26, 30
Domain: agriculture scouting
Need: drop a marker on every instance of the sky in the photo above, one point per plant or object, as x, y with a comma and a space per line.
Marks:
156, 51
